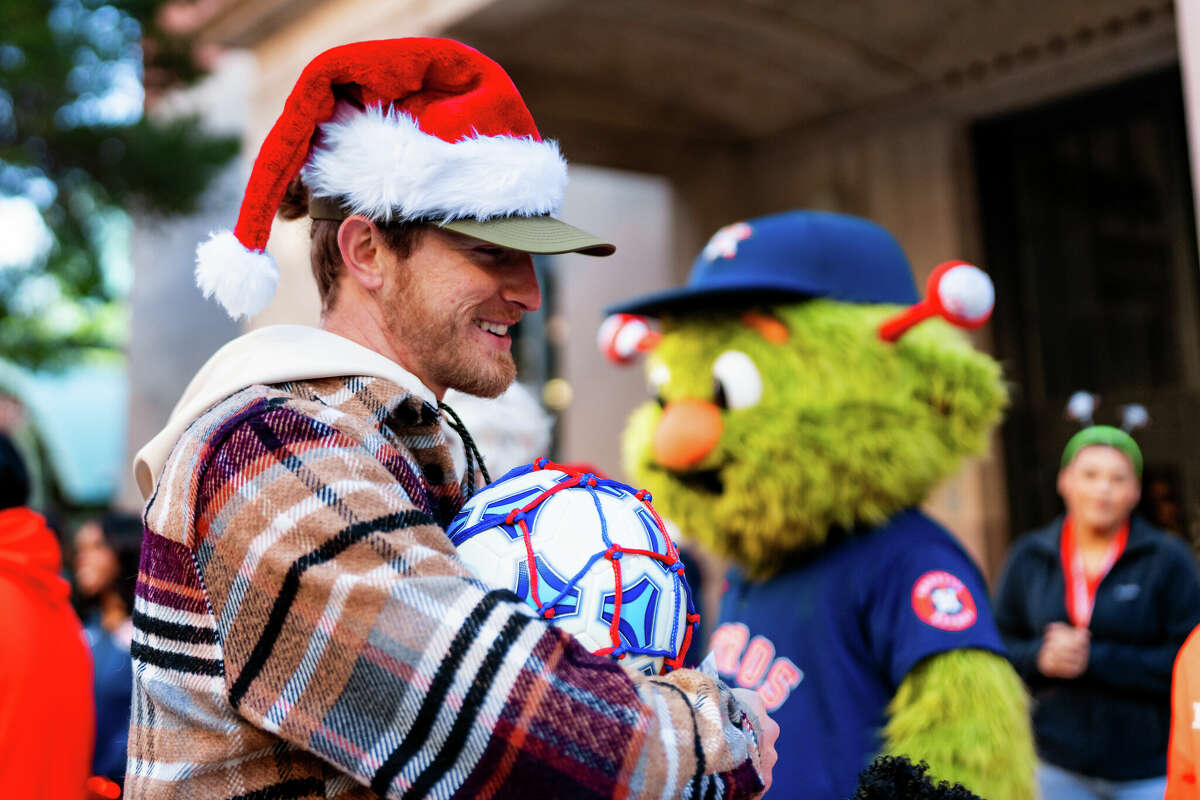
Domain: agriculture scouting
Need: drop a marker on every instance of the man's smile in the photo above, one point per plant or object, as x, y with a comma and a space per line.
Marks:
495, 328
494, 333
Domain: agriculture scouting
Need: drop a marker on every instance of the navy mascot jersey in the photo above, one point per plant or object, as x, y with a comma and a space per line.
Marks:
827, 642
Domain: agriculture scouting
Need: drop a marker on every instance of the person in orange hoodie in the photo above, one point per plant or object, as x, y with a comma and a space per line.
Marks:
46, 708
1184, 750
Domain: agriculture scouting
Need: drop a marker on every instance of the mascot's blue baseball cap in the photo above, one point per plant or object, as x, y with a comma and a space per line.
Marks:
788, 257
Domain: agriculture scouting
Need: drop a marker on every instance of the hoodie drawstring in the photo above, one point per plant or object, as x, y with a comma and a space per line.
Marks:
472, 451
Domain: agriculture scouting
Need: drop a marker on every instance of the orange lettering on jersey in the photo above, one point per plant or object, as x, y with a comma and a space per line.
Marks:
751, 663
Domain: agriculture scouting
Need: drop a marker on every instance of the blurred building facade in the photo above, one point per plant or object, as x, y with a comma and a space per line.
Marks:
1045, 141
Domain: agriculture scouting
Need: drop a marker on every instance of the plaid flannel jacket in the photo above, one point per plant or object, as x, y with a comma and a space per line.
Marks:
303, 629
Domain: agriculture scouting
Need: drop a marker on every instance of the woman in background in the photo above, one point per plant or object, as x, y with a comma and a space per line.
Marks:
106, 564
1093, 609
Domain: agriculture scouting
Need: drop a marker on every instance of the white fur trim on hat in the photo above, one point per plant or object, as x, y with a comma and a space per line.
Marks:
242, 281
387, 168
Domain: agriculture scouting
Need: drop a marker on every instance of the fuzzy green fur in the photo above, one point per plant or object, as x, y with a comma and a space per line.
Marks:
936, 717
849, 430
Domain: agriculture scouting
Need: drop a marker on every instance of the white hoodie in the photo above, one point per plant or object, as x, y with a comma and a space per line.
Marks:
268, 355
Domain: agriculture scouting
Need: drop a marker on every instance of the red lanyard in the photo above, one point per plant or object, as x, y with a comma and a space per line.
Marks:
1081, 587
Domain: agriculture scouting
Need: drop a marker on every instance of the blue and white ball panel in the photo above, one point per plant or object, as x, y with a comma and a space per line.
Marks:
639, 611
551, 587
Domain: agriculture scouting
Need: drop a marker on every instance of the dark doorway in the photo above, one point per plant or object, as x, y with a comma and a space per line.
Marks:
1090, 238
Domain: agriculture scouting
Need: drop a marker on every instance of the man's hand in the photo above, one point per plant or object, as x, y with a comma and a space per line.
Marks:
765, 728
1064, 652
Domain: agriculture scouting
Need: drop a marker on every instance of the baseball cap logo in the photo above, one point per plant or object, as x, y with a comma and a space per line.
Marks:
724, 243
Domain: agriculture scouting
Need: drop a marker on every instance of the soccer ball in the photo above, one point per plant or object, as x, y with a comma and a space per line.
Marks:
605, 569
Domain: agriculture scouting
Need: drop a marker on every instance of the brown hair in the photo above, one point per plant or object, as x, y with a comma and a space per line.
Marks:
324, 255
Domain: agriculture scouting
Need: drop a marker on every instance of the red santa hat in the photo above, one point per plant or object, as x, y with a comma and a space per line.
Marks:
399, 129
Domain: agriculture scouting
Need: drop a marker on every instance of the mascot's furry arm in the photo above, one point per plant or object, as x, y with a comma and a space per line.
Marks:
966, 713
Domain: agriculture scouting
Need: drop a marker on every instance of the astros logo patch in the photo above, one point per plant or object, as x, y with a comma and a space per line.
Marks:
724, 243
943, 601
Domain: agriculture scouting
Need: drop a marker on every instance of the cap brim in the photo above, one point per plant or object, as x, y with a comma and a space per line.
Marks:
692, 300
539, 235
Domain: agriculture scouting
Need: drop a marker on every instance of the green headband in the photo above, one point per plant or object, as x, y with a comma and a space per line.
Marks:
1107, 436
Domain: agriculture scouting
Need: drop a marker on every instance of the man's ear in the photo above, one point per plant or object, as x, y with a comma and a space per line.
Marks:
359, 244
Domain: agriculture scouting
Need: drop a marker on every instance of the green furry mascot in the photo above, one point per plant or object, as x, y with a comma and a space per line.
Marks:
800, 416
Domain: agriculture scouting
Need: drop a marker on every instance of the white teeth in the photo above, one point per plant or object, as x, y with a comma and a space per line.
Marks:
492, 327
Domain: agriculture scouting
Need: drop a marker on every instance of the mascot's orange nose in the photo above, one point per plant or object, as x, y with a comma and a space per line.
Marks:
686, 433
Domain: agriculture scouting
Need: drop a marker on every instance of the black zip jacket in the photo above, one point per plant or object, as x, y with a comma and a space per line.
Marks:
1113, 721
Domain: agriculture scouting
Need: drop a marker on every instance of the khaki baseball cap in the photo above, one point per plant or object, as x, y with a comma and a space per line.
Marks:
541, 235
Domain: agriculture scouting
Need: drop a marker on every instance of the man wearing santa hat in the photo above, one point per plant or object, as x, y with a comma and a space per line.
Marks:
303, 627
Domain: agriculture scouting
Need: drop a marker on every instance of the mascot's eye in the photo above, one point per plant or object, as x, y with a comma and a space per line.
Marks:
736, 382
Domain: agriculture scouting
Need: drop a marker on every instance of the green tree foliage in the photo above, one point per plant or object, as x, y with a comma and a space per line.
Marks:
75, 145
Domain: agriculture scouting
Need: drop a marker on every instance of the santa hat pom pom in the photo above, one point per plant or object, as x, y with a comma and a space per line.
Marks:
241, 280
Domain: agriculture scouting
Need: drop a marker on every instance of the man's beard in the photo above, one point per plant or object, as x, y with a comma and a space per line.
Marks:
441, 347
484, 378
